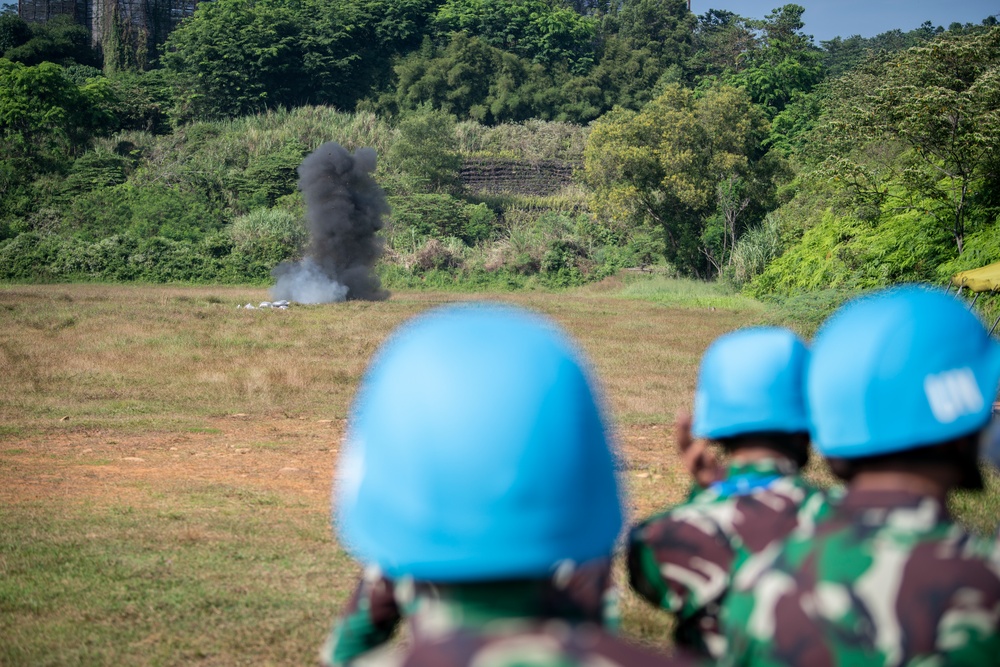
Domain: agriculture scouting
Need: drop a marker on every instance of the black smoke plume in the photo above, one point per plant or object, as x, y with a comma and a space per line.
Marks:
344, 208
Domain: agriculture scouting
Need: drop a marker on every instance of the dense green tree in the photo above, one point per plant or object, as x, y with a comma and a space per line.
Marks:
522, 90
662, 27
426, 151
14, 31
939, 105
241, 56
721, 40
350, 48
145, 101
791, 128
44, 115
842, 55
626, 76
245, 56
784, 63
471, 79
45, 120
58, 40
539, 31
678, 162
454, 79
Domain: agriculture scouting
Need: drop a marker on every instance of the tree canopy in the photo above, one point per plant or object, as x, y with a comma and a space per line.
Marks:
676, 162
717, 144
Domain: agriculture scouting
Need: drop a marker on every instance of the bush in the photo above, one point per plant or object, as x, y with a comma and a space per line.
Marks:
99, 168
269, 177
265, 226
560, 264
481, 223
141, 211
757, 248
33, 256
435, 255
426, 150
980, 248
173, 213
439, 216
105, 259
847, 253
27, 256
98, 212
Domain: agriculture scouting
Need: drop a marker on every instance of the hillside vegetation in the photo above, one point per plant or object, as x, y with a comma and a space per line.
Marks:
521, 143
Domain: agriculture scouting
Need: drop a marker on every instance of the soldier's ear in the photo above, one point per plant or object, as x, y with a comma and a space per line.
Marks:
842, 468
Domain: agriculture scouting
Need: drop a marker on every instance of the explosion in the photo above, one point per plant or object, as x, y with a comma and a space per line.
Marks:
344, 209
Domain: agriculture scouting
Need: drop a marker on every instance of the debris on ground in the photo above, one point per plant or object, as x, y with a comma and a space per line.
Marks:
280, 305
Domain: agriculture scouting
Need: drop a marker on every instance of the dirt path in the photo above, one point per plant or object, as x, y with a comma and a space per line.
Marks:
287, 456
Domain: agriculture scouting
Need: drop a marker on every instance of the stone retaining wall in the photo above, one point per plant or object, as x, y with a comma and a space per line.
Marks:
499, 176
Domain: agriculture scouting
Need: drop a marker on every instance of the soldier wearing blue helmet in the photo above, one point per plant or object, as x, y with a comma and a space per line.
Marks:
749, 399
477, 482
900, 388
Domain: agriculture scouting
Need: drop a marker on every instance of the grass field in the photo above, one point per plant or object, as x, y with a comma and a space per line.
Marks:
166, 458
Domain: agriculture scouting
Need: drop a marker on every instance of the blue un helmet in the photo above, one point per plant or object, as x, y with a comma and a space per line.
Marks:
477, 451
900, 369
751, 381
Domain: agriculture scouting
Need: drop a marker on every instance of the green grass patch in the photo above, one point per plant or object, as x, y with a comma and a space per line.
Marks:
980, 511
807, 310
231, 497
95, 462
688, 293
267, 446
125, 585
13, 430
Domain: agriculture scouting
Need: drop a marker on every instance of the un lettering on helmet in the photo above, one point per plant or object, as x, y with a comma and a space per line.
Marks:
953, 394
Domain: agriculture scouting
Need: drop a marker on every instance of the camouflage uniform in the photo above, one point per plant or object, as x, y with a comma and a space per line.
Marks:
582, 594
682, 559
367, 622
888, 579
504, 624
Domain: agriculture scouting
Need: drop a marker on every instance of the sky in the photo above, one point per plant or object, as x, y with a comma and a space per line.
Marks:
826, 19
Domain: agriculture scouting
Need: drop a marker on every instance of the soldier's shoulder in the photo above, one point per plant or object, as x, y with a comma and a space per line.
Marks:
695, 519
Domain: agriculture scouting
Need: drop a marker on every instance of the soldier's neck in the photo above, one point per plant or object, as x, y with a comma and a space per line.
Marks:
755, 453
921, 482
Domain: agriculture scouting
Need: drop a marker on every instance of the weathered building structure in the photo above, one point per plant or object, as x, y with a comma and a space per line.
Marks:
131, 29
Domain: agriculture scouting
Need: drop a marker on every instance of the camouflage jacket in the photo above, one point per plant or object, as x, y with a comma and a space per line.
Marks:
367, 622
495, 628
552, 644
682, 559
888, 579
577, 593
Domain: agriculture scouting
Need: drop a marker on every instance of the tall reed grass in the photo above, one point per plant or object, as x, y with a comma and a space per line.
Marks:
531, 140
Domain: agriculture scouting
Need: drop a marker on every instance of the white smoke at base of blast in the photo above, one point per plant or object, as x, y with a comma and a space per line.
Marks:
305, 282
344, 209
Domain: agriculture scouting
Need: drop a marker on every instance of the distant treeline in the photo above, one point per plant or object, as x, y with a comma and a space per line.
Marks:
713, 145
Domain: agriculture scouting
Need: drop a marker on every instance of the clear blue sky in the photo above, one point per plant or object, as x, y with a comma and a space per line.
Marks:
826, 19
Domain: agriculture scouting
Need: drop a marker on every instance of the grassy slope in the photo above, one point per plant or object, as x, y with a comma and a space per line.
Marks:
165, 458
